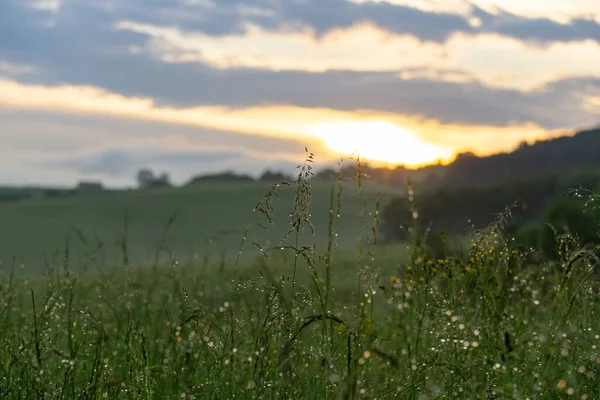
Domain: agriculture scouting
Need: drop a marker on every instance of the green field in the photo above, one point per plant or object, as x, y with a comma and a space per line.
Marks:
298, 320
209, 220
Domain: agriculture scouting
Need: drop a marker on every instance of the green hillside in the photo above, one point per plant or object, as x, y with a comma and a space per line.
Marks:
209, 219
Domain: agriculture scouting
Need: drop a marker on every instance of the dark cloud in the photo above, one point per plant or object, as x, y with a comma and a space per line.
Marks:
326, 15
541, 30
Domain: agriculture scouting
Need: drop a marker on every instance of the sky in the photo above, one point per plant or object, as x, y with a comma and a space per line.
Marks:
99, 89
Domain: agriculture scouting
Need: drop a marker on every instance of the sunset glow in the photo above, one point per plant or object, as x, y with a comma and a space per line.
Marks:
379, 141
92, 92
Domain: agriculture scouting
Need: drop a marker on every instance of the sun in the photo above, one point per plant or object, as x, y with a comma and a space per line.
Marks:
378, 141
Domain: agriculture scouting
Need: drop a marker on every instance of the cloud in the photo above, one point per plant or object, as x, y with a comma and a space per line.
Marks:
494, 60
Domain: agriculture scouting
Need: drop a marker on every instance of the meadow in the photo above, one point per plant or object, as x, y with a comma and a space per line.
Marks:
195, 222
301, 301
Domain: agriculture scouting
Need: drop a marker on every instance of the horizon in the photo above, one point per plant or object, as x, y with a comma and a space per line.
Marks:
292, 171
96, 92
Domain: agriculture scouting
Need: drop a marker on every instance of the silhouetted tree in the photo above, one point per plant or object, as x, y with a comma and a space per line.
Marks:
227, 176
145, 177
147, 180
275, 176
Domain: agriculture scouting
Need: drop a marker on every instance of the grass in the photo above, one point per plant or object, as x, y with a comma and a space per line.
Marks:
307, 318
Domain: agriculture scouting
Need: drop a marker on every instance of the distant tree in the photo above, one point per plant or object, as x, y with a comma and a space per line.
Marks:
164, 179
523, 145
347, 172
397, 219
227, 176
145, 178
271, 176
565, 216
327, 174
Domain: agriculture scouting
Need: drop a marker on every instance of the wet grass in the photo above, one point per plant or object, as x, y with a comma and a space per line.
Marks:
309, 321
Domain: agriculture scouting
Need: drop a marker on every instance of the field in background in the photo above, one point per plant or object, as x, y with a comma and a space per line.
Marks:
192, 222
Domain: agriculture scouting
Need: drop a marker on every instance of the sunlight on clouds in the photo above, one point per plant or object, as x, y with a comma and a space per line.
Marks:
437, 75
258, 48
379, 141
495, 60
391, 137
506, 62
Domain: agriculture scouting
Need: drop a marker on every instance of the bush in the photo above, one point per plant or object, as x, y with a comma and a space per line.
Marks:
571, 218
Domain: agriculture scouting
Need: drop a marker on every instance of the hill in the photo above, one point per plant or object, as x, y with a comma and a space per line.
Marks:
547, 157
543, 157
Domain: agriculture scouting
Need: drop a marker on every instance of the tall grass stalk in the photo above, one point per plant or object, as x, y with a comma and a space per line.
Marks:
301, 212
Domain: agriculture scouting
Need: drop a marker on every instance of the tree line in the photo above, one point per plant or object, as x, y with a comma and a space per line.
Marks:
542, 208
